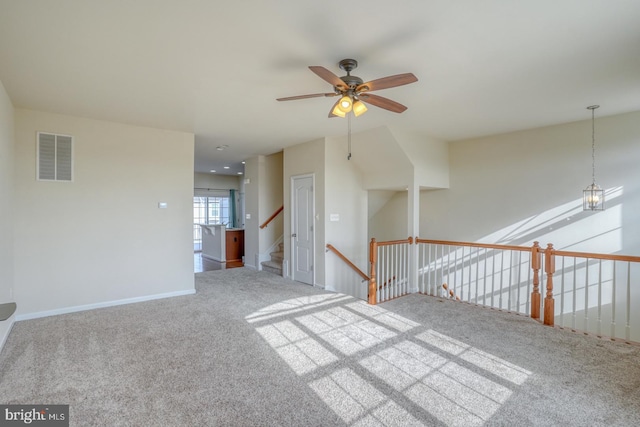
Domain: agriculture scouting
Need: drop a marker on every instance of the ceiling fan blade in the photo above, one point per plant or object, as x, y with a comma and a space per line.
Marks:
313, 95
328, 76
382, 102
387, 82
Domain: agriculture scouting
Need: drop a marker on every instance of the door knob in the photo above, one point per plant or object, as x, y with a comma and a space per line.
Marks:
294, 235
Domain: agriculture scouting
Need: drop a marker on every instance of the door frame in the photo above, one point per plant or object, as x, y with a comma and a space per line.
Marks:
292, 226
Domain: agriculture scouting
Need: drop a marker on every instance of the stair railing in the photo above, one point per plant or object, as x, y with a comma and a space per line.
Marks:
497, 276
272, 217
593, 289
348, 262
389, 265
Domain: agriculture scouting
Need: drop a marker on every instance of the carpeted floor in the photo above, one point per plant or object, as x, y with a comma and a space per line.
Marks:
252, 349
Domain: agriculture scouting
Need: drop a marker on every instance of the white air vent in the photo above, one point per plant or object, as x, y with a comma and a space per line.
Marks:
55, 157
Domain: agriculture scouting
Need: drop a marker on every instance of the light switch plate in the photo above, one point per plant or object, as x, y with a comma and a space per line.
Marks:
162, 205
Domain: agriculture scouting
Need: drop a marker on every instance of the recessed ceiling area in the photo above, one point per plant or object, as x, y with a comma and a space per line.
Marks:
215, 69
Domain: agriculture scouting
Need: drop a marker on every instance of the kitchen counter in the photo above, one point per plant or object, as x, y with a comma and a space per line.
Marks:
222, 244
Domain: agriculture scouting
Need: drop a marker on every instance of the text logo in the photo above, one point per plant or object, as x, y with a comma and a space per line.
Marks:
34, 415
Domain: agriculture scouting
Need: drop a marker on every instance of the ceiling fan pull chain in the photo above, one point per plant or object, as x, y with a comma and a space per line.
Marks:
349, 135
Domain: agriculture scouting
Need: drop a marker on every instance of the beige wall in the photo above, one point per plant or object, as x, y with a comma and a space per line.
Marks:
270, 200
526, 186
346, 198
215, 182
429, 157
252, 208
302, 159
6, 207
263, 196
390, 221
102, 238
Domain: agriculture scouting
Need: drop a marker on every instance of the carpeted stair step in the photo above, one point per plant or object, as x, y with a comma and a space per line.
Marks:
277, 257
272, 267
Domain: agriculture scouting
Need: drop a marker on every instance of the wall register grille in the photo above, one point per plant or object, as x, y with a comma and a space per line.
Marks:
55, 157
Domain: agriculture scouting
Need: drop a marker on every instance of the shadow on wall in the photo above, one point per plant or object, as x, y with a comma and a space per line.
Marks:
368, 364
592, 295
568, 227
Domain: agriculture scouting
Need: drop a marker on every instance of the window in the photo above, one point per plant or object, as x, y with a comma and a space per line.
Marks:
211, 210
55, 157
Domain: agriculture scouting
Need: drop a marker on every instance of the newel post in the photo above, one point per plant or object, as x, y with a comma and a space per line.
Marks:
373, 259
550, 268
535, 294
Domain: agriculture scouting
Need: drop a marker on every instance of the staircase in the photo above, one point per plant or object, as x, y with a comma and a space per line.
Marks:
275, 264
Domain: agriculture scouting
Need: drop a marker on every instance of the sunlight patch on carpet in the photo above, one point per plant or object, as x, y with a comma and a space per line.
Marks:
356, 356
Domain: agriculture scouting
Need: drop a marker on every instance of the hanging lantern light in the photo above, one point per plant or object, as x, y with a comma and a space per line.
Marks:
593, 195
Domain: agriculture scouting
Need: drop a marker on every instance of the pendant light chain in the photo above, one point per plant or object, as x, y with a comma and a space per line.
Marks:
593, 144
593, 196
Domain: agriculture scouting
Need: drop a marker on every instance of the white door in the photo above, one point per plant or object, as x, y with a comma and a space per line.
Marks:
302, 229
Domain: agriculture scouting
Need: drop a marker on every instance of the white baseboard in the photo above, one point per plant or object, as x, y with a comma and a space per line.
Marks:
213, 258
6, 330
77, 308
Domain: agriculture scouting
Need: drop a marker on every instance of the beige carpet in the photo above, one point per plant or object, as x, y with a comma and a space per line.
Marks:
251, 348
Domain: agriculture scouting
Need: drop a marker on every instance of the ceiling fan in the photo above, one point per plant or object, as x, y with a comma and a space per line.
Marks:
354, 92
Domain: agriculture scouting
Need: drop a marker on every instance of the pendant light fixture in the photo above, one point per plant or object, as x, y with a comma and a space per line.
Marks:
593, 195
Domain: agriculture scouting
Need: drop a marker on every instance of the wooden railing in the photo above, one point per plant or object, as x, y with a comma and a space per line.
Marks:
389, 265
272, 217
592, 288
348, 262
505, 277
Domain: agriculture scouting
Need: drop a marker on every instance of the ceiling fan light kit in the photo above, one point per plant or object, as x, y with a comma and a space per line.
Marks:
354, 92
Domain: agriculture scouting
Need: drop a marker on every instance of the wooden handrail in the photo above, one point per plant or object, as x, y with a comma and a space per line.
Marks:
598, 256
624, 258
478, 245
272, 217
395, 242
349, 263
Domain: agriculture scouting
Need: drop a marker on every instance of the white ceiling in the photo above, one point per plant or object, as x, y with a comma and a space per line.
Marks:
215, 68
